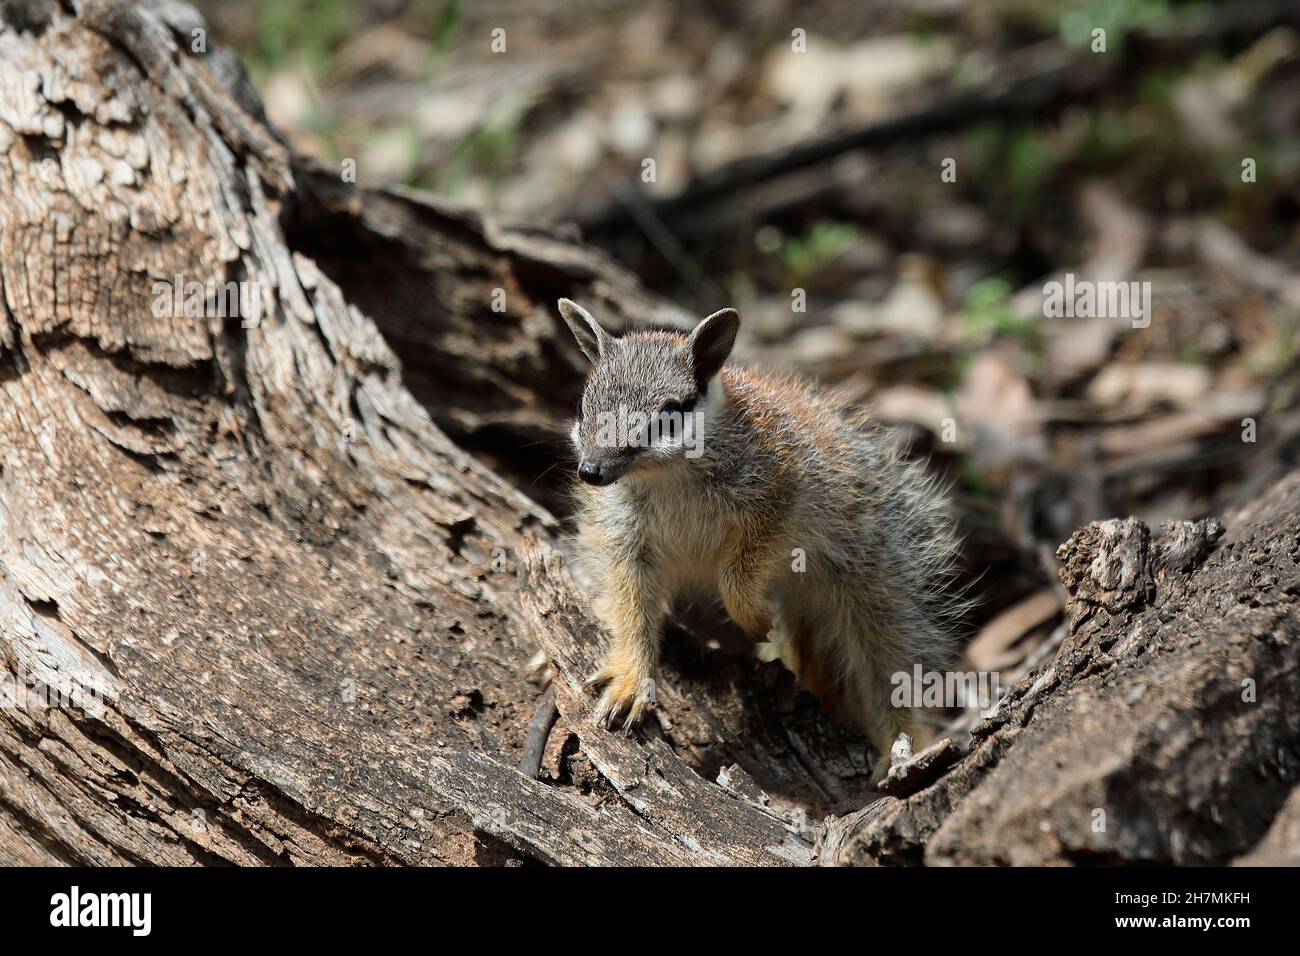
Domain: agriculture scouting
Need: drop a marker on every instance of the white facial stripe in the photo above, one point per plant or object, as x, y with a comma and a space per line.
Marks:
714, 398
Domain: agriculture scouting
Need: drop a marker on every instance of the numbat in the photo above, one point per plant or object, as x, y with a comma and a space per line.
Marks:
703, 477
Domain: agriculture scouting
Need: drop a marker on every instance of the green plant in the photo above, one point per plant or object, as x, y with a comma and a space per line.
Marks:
311, 30
1076, 22
1014, 164
988, 311
805, 256
988, 314
446, 27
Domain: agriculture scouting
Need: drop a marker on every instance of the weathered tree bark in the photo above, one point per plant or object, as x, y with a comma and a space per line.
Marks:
294, 592
292, 561
1164, 730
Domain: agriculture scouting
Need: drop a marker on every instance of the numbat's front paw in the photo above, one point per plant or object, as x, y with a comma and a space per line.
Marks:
626, 698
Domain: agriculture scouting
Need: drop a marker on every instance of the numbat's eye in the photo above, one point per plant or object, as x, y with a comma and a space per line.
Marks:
671, 417
681, 406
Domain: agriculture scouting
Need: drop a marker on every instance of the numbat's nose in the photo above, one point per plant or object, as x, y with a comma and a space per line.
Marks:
590, 472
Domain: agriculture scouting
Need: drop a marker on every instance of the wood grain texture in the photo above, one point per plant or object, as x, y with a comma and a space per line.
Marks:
288, 593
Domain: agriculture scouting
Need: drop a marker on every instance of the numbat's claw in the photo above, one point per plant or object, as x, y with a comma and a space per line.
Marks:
624, 701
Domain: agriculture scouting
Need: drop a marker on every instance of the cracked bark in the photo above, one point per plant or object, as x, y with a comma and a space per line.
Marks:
1164, 730
252, 542
302, 556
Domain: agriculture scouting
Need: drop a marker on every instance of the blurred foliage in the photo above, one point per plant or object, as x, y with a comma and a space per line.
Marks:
1015, 162
309, 30
447, 26
490, 151
803, 257
1075, 22
988, 314
1280, 350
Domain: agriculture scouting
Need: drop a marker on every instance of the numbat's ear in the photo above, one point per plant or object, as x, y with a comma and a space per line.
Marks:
711, 343
591, 337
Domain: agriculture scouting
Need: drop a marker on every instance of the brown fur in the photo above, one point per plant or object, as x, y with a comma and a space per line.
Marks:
817, 537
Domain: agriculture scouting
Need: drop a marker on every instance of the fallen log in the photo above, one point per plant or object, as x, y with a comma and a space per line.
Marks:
1163, 731
282, 599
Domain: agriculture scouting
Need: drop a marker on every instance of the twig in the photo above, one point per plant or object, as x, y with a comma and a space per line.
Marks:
539, 731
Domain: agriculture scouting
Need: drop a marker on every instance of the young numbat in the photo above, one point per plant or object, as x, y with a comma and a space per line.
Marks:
704, 477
